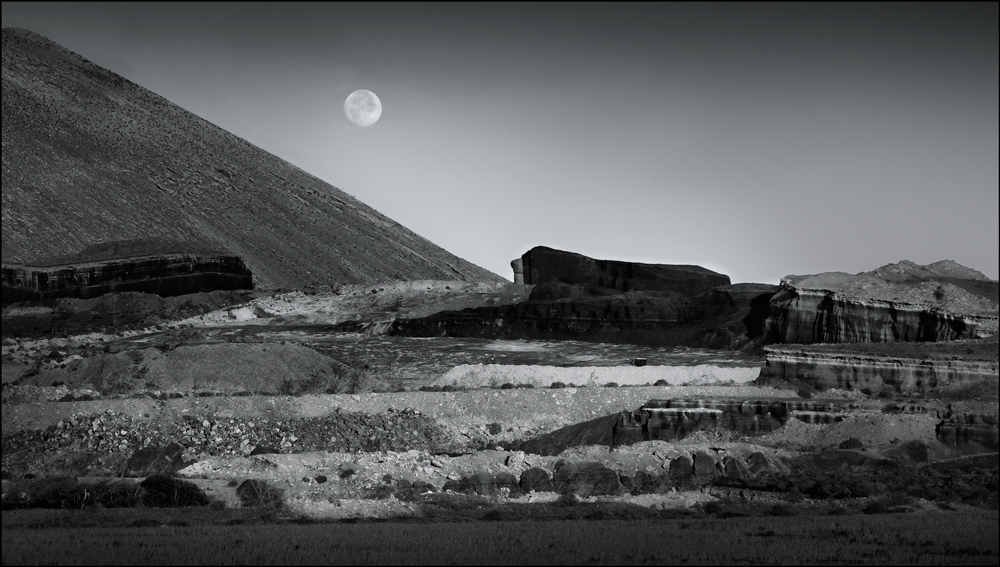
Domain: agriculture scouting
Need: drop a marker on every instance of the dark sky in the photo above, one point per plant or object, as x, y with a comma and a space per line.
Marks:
756, 140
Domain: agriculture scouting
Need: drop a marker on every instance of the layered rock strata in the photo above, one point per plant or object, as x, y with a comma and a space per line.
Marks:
905, 302
973, 431
872, 374
807, 316
674, 419
165, 275
544, 265
576, 297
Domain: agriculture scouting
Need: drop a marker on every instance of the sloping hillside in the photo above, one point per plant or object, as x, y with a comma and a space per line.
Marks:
89, 157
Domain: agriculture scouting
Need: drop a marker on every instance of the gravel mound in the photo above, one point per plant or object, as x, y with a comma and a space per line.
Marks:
104, 443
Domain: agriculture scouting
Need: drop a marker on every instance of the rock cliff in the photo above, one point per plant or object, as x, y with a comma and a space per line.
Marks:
542, 265
806, 316
898, 302
176, 270
576, 297
871, 373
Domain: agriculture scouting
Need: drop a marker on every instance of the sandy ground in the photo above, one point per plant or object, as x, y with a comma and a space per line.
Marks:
494, 375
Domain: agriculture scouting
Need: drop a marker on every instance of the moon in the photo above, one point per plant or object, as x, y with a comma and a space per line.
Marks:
363, 107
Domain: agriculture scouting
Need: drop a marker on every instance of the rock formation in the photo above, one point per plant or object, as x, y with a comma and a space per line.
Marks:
542, 265
817, 370
977, 433
674, 419
175, 269
576, 297
897, 302
518, 266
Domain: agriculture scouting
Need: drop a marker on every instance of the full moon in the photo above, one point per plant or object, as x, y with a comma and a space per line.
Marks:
363, 107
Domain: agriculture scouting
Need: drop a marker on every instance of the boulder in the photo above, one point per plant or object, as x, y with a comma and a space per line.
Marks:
705, 465
506, 480
483, 484
156, 459
682, 471
536, 479
585, 479
648, 483
734, 470
758, 463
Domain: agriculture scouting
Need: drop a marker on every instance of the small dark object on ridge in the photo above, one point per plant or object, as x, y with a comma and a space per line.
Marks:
263, 450
851, 443
638, 362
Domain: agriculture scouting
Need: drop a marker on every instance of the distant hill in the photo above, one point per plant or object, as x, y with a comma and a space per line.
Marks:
906, 271
92, 158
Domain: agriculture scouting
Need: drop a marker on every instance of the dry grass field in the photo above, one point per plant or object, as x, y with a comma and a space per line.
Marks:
935, 538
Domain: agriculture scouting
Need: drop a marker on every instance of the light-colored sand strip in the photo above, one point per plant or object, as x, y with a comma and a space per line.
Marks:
495, 375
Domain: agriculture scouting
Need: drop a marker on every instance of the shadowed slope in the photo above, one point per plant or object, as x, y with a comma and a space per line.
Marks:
89, 157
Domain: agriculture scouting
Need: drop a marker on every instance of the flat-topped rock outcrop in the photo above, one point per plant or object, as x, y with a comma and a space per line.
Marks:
576, 297
542, 265
172, 269
898, 302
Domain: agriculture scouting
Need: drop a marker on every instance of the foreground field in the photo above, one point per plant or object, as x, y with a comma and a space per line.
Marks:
935, 538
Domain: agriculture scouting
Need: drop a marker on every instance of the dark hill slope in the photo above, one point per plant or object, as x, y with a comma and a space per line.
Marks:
90, 157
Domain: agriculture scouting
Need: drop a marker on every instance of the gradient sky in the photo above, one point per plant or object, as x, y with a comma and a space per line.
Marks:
754, 140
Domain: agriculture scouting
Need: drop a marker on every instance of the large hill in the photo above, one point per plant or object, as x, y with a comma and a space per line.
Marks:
90, 157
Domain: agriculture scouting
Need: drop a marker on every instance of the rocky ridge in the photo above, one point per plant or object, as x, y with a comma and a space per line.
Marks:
85, 276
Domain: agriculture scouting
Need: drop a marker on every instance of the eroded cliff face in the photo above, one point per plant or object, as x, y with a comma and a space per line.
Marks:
807, 316
674, 419
714, 319
542, 265
870, 374
165, 275
580, 298
902, 302
971, 431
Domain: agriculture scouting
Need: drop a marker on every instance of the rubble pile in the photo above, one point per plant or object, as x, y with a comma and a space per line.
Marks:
108, 439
